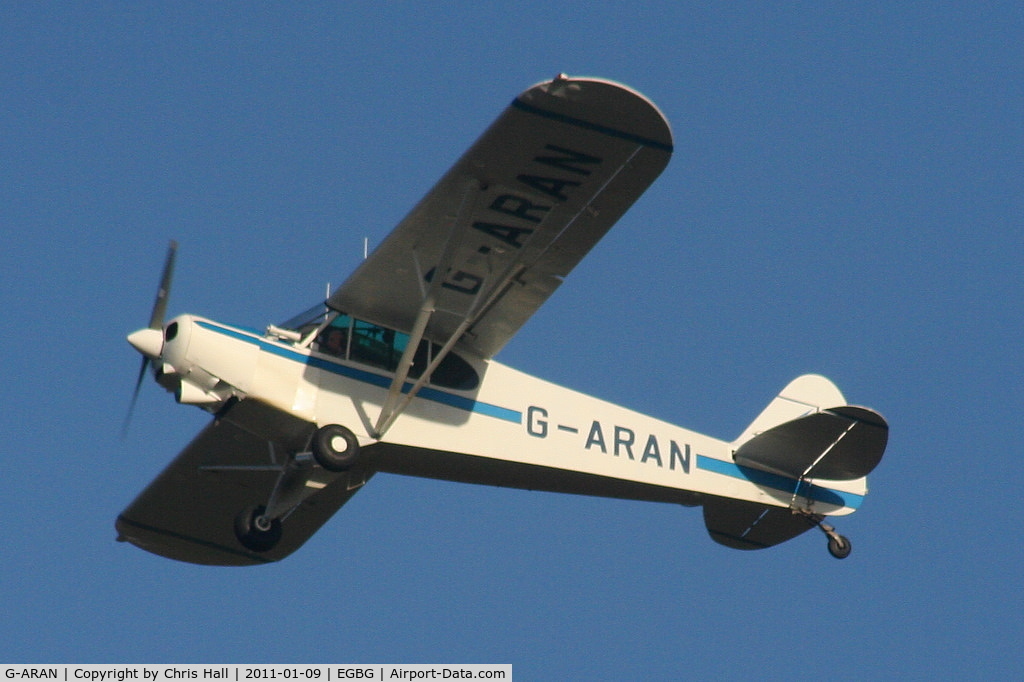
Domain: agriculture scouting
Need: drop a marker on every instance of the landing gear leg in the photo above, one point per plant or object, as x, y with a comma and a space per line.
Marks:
258, 528
333, 447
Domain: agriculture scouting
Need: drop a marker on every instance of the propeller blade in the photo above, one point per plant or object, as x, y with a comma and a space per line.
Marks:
156, 319
135, 396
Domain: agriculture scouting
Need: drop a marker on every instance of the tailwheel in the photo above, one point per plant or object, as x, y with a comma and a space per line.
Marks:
255, 531
839, 546
335, 448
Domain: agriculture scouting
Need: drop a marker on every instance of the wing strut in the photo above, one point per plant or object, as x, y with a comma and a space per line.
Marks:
388, 415
391, 408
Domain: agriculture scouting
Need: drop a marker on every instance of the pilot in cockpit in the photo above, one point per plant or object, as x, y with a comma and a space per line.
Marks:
333, 341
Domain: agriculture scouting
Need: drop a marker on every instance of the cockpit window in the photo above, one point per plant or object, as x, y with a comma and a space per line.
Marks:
377, 346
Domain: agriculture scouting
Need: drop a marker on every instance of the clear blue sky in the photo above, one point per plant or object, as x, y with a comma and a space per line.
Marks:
845, 198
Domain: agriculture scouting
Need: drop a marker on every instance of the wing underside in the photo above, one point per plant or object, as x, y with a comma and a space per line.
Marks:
189, 511
498, 233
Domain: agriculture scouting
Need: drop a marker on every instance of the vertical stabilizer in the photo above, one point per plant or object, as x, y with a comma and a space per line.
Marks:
804, 395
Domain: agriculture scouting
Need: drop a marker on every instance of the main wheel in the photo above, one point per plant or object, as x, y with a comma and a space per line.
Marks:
335, 448
256, 532
839, 546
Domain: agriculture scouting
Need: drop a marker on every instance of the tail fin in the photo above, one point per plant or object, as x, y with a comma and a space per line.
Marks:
806, 432
805, 394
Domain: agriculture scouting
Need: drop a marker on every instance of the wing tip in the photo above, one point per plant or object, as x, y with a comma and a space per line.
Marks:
604, 103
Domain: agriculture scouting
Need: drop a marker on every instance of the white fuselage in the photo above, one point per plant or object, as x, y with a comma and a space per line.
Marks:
510, 417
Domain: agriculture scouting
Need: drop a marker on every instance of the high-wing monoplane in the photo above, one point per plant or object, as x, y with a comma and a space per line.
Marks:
394, 372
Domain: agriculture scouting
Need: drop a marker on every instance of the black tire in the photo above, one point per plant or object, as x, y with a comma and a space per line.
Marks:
252, 537
335, 448
839, 547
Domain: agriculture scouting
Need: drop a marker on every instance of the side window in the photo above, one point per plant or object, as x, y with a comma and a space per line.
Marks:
378, 346
373, 345
454, 372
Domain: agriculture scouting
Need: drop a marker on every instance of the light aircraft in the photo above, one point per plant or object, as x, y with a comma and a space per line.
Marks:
394, 372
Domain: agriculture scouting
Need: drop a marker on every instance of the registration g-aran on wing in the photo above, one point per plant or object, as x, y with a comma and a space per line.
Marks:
395, 371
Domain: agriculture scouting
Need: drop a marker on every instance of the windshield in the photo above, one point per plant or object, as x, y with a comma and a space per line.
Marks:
308, 320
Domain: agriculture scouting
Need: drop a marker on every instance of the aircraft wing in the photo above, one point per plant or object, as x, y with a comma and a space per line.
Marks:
498, 233
188, 512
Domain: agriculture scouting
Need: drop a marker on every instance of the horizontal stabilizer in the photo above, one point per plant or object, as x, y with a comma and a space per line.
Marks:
840, 444
751, 525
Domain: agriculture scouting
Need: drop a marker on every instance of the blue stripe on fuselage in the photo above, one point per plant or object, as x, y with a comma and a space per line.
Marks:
427, 393
779, 482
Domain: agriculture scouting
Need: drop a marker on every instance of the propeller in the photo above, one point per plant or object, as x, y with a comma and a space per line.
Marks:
144, 340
